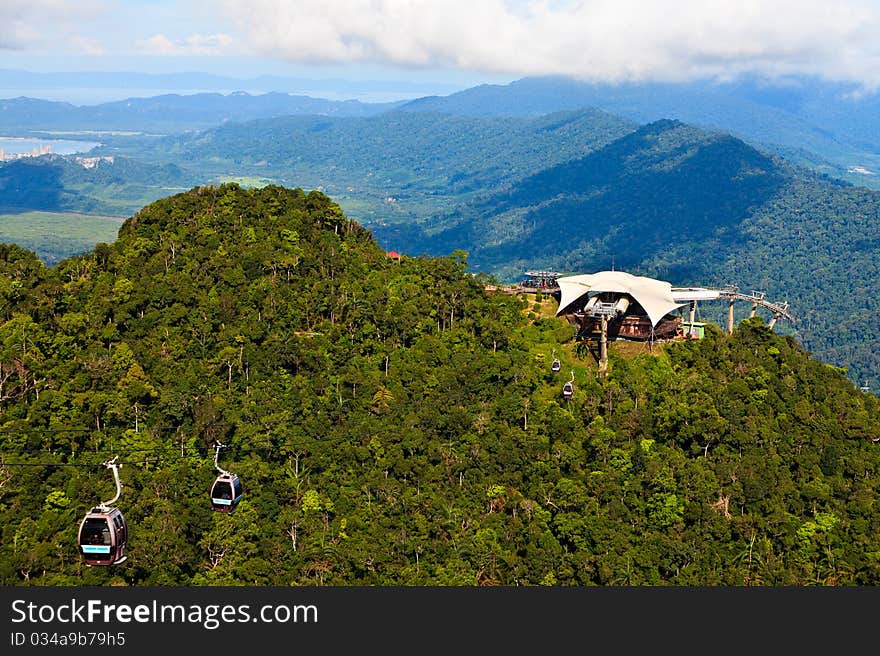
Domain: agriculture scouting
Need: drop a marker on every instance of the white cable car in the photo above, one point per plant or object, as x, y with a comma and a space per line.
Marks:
103, 532
226, 491
568, 388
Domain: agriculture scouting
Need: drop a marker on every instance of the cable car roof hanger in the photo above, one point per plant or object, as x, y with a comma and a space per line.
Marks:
104, 506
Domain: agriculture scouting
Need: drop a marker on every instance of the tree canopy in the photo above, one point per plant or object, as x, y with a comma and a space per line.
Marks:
393, 423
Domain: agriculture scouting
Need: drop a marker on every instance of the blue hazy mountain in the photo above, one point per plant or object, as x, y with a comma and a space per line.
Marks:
95, 87
170, 113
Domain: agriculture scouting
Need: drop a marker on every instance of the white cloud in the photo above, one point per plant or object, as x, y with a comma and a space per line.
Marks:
87, 46
31, 24
591, 39
195, 44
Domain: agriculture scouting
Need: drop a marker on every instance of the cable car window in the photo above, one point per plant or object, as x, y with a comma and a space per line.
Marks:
222, 490
237, 486
121, 530
96, 531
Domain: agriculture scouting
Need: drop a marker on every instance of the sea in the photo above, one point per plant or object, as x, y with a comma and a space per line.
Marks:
22, 145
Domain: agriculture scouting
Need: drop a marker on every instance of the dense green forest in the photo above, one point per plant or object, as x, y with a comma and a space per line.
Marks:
694, 208
115, 186
829, 127
572, 191
395, 424
393, 168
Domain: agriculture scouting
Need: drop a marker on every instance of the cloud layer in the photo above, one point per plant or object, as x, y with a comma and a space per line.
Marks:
26, 24
195, 44
600, 40
609, 40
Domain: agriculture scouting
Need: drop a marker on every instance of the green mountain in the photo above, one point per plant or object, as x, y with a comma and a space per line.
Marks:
115, 186
693, 208
660, 186
392, 168
395, 424
831, 128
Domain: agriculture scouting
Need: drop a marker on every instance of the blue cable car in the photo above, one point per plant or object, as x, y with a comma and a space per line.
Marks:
226, 491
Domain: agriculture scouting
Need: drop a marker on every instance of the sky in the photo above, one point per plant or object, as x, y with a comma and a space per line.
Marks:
450, 44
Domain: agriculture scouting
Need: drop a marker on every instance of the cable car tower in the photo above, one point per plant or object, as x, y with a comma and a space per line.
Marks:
103, 532
226, 490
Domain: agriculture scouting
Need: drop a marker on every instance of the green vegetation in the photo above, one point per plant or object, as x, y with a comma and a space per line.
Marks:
572, 191
694, 208
54, 236
111, 185
401, 167
166, 114
825, 126
246, 180
395, 424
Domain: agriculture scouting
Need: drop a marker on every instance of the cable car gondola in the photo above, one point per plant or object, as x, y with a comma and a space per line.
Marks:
226, 490
103, 531
568, 388
557, 365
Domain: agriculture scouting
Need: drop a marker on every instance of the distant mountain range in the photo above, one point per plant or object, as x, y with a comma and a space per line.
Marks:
830, 127
582, 191
394, 167
93, 87
170, 113
532, 174
660, 186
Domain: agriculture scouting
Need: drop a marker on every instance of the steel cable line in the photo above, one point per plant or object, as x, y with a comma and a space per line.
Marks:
179, 453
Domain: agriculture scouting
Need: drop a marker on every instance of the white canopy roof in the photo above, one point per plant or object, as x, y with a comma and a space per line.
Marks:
655, 296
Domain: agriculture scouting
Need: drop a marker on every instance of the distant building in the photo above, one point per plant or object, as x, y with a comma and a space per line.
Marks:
619, 305
35, 152
543, 280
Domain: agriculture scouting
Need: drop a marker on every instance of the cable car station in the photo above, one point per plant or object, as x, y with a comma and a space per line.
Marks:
611, 305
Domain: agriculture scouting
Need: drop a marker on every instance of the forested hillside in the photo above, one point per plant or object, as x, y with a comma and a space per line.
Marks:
661, 186
392, 168
116, 186
694, 208
572, 191
829, 127
395, 424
